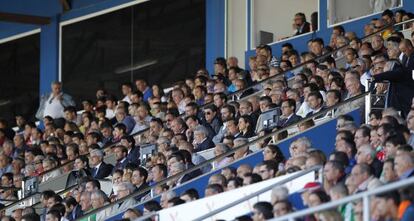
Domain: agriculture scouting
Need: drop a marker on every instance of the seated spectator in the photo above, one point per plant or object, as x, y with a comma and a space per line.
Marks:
201, 140
124, 189
300, 24
213, 189
99, 168
262, 211
404, 166
281, 208
220, 149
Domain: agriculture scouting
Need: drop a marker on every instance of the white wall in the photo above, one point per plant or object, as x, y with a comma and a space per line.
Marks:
349, 9
276, 16
236, 29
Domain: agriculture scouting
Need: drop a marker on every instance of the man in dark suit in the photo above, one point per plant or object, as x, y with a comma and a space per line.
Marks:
99, 168
300, 24
121, 157
288, 116
201, 140
315, 101
74, 209
133, 155
139, 180
401, 80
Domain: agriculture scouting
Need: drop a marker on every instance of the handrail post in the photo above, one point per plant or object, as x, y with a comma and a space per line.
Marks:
366, 207
367, 101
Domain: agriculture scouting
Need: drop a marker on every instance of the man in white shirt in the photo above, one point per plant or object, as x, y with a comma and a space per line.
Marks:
53, 104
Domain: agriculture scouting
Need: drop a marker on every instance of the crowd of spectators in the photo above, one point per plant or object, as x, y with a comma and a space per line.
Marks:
221, 111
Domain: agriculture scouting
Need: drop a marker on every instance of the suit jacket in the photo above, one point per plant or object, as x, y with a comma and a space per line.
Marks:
120, 165
206, 144
76, 213
286, 122
318, 117
401, 87
140, 188
305, 28
104, 171
134, 155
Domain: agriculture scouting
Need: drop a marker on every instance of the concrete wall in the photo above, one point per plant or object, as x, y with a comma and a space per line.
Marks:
276, 16
236, 29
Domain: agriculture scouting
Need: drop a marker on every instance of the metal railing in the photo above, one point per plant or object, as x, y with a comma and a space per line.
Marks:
365, 196
257, 193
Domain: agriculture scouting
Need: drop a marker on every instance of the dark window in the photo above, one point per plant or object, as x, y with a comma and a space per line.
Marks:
19, 73
162, 41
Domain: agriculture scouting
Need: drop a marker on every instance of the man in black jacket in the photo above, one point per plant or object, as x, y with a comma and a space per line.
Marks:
401, 80
99, 168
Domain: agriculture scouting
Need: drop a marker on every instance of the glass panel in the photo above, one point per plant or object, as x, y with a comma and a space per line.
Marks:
341, 11
19, 87
160, 41
272, 22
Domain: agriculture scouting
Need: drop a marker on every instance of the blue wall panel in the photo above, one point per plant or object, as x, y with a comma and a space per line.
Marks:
215, 37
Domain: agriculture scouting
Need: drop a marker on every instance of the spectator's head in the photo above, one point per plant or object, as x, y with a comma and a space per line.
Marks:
124, 189
152, 206
360, 173
234, 183
120, 152
282, 207
273, 152
333, 171
403, 164
96, 157
262, 211
387, 204
250, 178
362, 136
92, 185
338, 191
132, 214
85, 201
159, 172
98, 199
53, 215
213, 189
315, 100
279, 193
365, 154
389, 174
268, 169
190, 195
139, 176
318, 197
243, 169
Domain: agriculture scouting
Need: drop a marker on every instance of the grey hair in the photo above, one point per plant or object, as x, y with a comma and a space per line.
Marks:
241, 140
180, 166
100, 194
280, 192
201, 129
340, 188
367, 150
305, 141
97, 152
129, 186
223, 147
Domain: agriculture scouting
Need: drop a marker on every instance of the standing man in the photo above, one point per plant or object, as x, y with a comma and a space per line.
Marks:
54, 103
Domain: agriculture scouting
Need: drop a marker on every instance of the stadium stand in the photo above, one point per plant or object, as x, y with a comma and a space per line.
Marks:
236, 144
